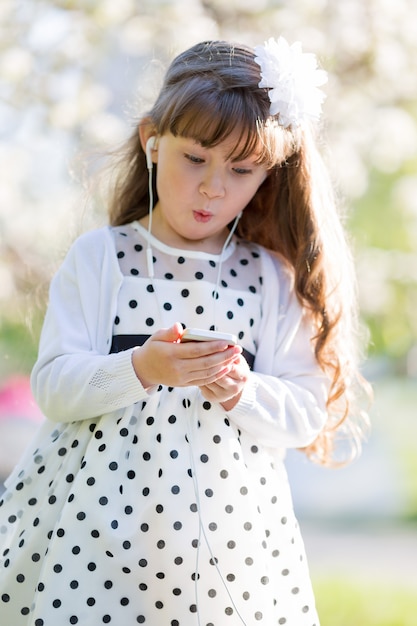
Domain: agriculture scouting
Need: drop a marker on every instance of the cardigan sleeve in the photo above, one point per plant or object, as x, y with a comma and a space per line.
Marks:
284, 401
74, 377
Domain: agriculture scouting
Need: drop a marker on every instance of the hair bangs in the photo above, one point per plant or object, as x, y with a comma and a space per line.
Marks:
211, 118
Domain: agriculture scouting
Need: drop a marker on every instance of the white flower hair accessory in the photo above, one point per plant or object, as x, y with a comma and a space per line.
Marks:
293, 79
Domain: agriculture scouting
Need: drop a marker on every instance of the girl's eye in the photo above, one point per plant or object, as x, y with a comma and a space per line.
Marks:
193, 158
242, 171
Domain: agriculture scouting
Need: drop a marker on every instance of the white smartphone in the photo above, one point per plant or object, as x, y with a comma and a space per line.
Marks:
198, 334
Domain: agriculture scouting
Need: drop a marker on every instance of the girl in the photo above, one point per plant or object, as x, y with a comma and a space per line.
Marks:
156, 491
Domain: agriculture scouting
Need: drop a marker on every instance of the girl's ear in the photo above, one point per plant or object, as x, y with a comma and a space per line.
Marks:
147, 130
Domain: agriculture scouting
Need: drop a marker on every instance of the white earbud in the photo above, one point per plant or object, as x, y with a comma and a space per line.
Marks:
150, 145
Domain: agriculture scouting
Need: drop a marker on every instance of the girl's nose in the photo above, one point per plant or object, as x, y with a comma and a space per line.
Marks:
212, 185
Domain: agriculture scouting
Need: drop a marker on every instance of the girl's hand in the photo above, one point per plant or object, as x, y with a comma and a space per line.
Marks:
163, 360
228, 389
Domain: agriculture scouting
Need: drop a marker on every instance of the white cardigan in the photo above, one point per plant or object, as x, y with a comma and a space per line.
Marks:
75, 377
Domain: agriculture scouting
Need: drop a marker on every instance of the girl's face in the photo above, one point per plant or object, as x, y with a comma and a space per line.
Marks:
200, 191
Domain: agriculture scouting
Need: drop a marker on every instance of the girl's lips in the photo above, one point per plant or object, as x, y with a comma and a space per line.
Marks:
202, 216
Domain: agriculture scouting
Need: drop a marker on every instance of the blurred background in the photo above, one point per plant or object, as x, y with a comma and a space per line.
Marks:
74, 76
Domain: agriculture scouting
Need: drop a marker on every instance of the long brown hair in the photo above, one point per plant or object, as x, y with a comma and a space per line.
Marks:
211, 91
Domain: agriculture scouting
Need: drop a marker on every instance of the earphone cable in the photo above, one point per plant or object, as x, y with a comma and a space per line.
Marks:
216, 294
149, 255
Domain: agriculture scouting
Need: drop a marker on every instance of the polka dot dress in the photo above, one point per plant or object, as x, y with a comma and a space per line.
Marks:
164, 512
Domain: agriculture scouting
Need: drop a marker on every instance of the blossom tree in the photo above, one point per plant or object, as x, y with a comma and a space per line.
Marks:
74, 75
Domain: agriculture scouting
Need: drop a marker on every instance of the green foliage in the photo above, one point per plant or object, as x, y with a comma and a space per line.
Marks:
409, 459
18, 347
356, 603
392, 332
385, 233
377, 220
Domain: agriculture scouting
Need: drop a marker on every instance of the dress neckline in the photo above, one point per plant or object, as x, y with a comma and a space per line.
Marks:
193, 254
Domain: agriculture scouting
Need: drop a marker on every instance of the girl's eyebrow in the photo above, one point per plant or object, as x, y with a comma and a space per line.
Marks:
249, 160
